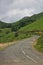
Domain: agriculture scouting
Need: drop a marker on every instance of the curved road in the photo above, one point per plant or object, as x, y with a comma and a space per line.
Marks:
21, 54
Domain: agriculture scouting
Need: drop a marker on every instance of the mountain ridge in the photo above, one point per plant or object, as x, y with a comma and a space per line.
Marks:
15, 26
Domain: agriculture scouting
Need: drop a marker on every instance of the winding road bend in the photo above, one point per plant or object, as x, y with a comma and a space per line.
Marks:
21, 53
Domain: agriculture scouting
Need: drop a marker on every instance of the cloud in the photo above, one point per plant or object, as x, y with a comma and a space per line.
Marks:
12, 10
26, 12
16, 14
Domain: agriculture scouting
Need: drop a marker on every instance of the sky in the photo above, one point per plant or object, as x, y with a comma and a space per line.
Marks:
13, 10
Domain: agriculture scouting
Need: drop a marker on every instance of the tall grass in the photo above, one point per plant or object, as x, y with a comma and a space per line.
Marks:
39, 45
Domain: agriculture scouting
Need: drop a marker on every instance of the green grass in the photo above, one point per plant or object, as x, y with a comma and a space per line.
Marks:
37, 25
39, 45
22, 36
6, 35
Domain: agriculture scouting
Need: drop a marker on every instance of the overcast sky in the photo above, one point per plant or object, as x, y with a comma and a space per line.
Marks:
13, 10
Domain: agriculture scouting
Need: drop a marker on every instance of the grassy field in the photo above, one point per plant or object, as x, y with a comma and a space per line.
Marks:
39, 45
6, 35
23, 35
37, 25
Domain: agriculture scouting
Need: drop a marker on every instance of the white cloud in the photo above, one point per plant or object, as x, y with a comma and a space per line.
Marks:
16, 9
26, 12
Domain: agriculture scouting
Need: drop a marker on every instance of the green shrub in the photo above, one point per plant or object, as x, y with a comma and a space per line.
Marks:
39, 44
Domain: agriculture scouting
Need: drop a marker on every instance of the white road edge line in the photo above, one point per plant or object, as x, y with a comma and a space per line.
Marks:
28, 56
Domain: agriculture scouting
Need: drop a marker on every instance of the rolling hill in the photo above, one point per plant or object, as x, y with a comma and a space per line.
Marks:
22, 22
25, 21
5, 25
37, 25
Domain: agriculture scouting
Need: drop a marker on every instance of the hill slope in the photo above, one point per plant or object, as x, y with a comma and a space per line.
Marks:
37, 25
6, 35
21, 23
25, 21
39, 45
5, 25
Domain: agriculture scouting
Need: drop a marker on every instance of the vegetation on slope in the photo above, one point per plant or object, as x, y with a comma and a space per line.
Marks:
5, 25
39, 45
6, 35
23, 35
21, 23
37, 25
25, 21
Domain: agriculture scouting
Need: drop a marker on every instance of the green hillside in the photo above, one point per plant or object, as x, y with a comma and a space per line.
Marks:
37, 25
2, 24
39, 45
22, 22
25, 21
6, 35
5, 25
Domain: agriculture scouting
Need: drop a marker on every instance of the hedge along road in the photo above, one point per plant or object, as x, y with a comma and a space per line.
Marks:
21, 54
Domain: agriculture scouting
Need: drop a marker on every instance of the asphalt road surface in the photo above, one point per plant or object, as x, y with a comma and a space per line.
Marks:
21, 53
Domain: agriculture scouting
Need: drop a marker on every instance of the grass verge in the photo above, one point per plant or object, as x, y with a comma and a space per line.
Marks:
39, 44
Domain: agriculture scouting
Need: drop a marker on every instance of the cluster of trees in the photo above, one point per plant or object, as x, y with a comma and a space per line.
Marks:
5, 25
